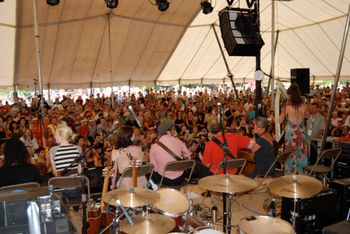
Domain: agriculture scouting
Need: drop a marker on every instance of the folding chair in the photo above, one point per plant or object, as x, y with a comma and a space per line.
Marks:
141, 170
232, 164
62, 183
281, 158
320, 168
179, 166
29, 185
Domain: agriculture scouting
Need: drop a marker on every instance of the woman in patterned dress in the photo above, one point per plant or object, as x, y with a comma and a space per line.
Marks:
294, 116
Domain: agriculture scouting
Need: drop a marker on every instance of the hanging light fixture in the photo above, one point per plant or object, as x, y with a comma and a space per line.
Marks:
163, 5
111, 3
207, 8
52, 2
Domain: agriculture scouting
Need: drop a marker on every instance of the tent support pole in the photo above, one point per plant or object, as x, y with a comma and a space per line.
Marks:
273, 52
258, 89
37, 50
91, 91
48, 92
229, 74
336, 79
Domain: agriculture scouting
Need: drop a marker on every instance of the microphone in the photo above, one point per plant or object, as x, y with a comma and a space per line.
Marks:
122, 208
135, 116
152, 185
272, 208
219, 112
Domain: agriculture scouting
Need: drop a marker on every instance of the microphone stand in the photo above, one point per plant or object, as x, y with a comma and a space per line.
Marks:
226, 222
81, 160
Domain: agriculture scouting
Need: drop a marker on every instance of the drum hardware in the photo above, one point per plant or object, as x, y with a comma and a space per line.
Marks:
228, 185
295, 186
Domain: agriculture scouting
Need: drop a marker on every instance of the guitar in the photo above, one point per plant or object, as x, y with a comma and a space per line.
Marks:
99, 218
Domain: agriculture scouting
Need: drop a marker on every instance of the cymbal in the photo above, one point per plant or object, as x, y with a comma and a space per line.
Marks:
132, 197
23, 193
227, 183
295, 186
150, 223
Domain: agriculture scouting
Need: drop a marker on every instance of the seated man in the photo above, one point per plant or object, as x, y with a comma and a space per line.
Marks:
159, 157
214, 154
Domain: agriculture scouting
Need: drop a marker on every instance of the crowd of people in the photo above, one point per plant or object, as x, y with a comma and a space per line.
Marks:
104, 130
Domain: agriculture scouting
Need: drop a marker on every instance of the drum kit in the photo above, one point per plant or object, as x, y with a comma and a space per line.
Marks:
167, 209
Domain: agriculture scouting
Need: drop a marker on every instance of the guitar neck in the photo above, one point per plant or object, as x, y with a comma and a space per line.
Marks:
134, 173
105, 188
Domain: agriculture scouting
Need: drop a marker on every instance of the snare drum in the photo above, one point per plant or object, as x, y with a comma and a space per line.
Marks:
264, 225
206, 230
172, 203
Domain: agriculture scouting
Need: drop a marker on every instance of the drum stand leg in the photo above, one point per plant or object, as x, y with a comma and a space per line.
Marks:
227, 212
229, 215
114, 224
294, 213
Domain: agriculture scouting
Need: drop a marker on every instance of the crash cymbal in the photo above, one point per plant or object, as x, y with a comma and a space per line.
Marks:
150, 223
227, 183
132, 197
295, 186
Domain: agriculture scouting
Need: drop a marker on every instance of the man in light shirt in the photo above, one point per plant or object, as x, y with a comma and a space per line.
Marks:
159, 157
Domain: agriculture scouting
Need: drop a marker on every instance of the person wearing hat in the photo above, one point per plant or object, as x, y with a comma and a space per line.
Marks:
159, 157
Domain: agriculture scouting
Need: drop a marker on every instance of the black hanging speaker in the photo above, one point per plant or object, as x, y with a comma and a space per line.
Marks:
239, 32
301, 76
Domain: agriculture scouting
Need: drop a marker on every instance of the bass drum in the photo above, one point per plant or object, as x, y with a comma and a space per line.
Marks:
248, 155
264, 225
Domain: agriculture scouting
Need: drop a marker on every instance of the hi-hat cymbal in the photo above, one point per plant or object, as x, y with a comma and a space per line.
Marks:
227, 183
151, 223
295, 186
132, 197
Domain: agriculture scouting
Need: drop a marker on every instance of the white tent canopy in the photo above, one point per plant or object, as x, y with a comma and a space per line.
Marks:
83, 43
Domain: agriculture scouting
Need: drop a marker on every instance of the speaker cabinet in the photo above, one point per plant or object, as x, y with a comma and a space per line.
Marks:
239, 32
342, 166
343, 188
312, 214
301, 76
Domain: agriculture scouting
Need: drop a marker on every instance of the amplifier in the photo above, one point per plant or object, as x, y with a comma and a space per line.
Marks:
312, 214
22, 216
342, 166
343, 189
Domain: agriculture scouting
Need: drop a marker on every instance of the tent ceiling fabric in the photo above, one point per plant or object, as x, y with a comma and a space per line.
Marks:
148, 47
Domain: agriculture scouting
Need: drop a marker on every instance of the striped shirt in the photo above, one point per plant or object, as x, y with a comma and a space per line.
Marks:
64, 155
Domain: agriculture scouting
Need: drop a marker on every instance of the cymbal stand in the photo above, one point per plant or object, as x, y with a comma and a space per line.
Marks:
114, 224
229, 212
182, 226
294, 213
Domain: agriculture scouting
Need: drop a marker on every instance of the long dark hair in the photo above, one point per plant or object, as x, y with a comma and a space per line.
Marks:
124, 136
15, 152
295, 97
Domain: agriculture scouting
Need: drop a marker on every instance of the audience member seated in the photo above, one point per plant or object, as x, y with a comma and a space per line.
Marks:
16, 168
